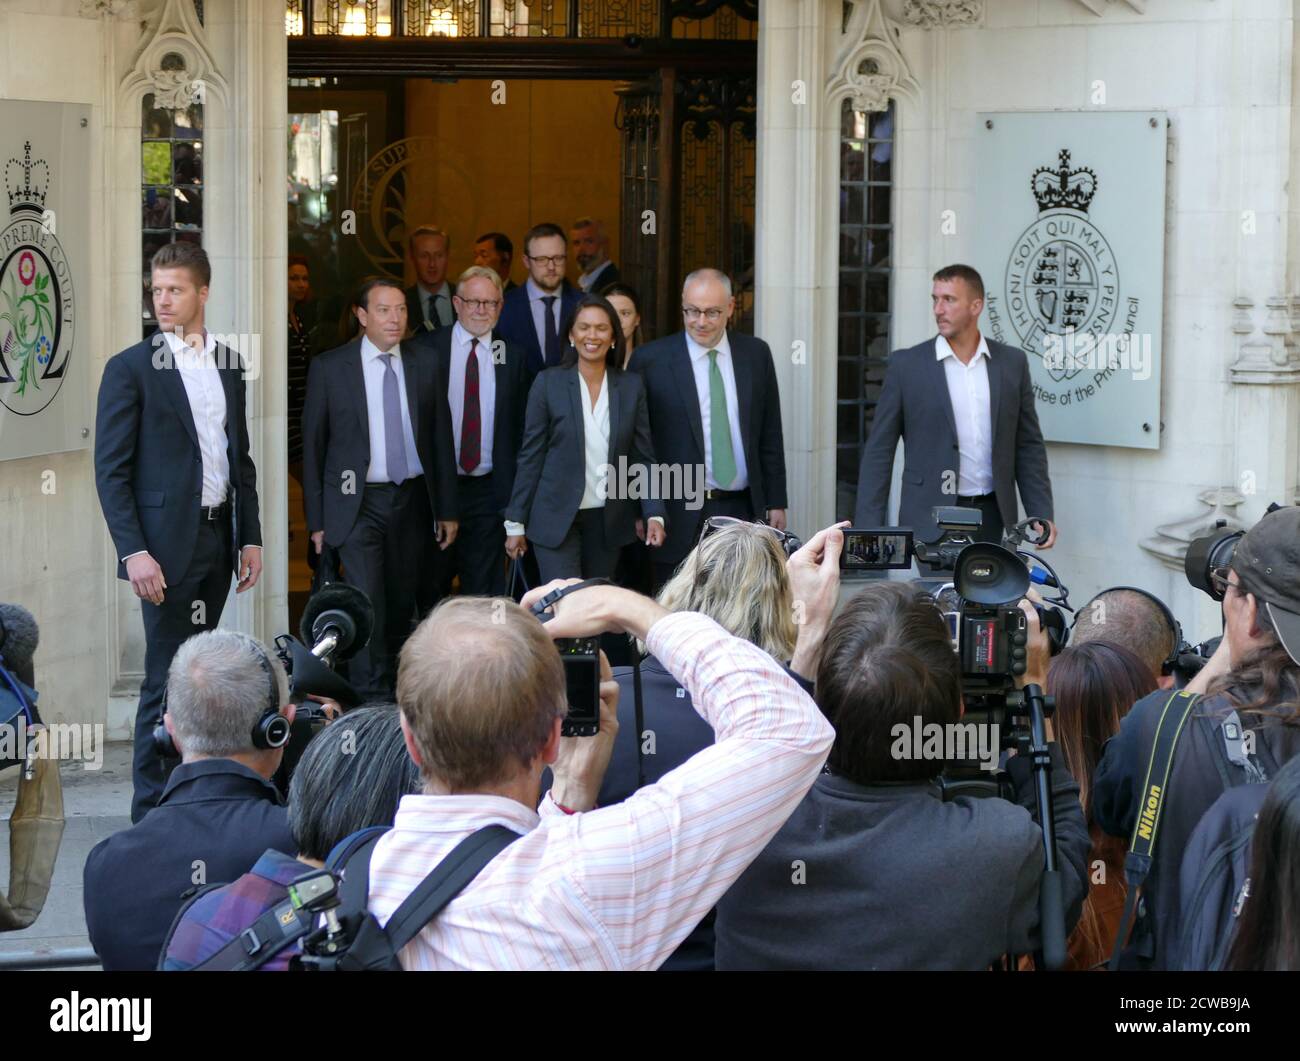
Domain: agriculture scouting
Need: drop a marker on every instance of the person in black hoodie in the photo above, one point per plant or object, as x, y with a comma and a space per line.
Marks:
875, 870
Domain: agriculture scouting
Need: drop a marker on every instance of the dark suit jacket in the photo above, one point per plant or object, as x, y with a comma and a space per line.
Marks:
215, 811
510, 403
551, 476
915, 406
678, 427
148, 469
516, 324
336, 436
415, 312
608, 275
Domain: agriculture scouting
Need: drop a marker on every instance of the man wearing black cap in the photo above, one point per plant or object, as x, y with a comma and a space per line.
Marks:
1252, 683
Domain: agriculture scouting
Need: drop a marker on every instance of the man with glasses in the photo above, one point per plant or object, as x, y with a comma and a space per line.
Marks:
379, 472
715, 411
1245, 729
533, 315
483, 378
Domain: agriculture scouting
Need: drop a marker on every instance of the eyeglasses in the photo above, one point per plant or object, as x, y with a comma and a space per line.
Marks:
554, 259
1219, 580
479, 304
710, 315
789, 543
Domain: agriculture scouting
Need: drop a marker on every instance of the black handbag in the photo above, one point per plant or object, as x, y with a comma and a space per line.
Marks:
518, 584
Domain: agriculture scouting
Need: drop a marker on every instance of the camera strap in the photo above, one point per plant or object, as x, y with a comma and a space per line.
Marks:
1137, 863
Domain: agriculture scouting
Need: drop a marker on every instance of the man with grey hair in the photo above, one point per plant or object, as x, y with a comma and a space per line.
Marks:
1132, 617
219, 811
725, 429
591, 248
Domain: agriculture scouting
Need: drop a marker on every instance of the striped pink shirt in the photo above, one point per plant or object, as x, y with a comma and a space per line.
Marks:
620, 887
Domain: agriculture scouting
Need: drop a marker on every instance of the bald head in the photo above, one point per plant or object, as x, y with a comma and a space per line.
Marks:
480, 685
1123, 617
707, 305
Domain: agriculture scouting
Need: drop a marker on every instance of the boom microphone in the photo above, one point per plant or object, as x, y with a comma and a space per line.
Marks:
336, 623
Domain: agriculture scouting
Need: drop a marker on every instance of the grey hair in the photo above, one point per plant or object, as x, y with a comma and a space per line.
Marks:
592, 222
708, 274
217, 690
484, 272
353, 775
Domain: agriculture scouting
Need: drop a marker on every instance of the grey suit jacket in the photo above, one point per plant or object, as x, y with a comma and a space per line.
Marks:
915, 406
551, 474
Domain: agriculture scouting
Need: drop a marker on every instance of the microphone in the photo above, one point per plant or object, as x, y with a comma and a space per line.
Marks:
336, 623
19, 636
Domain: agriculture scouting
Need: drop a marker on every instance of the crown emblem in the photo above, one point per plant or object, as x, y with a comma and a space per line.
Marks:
29, 195
1072, 189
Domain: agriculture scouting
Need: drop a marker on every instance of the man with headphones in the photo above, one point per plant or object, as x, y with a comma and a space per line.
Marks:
227, 710
1138, 620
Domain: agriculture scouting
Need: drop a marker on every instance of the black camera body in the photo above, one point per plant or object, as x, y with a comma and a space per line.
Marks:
581, 659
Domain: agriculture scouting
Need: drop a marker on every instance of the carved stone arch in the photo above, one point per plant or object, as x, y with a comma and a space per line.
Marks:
174, 63
869, 68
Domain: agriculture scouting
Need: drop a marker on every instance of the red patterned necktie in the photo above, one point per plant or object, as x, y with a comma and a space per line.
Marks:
470, 427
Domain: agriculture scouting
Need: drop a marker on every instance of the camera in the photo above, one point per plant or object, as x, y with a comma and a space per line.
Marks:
581, 659
876, 549
1205, 554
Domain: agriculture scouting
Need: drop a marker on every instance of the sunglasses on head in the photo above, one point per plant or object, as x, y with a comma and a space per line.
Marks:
790, 543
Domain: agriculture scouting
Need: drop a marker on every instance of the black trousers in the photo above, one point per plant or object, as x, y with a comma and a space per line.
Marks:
583, 553
385, 555
991, 527
736, 507
189, 607
478, 555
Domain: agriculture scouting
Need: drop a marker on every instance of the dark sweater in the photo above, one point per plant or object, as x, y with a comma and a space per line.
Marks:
896, 878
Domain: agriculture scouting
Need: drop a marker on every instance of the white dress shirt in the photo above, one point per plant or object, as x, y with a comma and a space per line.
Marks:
208, 407
700, 365
372, 370
595, 443
622, 886
538, 307
442, 304
461, 341
968, 387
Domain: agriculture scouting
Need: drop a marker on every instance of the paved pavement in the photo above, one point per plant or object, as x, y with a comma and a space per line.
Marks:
96, 803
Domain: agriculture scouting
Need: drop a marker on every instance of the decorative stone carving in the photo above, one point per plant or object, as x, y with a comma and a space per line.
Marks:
107, 8
930, 14
869, 69
1098, 7
174, 63
1170, 542
1268, 355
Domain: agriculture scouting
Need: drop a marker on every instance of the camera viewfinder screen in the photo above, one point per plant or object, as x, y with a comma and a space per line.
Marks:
876, 550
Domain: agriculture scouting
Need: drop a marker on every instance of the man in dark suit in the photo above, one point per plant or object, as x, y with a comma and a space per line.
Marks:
494, 251
715, 413
379, 470
428, 300
964, 408
591, 248
485, 387
176, 483
533, 315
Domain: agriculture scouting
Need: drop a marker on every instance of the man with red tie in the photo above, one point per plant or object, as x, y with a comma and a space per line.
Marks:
484, 379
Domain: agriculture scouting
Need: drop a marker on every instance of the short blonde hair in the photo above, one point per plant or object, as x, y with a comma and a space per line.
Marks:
480, 685
480, 270
737, 577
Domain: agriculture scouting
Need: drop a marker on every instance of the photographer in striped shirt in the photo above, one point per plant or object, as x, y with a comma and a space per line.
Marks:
482, 692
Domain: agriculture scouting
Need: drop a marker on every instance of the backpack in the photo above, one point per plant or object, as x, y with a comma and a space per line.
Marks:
350, 938
1215, 878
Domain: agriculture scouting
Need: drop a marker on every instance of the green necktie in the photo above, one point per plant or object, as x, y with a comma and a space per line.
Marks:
724, 457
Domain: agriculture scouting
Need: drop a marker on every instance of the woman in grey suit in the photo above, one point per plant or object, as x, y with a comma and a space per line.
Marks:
584, 468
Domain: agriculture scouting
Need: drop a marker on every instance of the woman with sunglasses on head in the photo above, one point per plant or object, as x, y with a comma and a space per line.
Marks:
585, 461
746, 577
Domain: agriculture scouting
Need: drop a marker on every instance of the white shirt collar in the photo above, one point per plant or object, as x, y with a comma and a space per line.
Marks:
942, 349
535, 292
425, 292
700, 353
370, 351
461, 336
179, 346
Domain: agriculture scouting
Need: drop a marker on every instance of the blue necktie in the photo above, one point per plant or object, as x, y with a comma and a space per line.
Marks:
394, 436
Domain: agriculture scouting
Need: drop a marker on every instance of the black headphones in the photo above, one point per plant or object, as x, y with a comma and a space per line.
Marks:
1168, 663
271, 730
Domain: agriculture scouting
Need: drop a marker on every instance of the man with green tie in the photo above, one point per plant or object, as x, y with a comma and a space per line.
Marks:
715, 414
